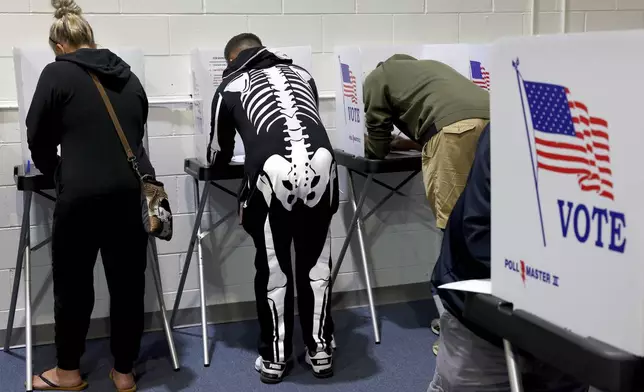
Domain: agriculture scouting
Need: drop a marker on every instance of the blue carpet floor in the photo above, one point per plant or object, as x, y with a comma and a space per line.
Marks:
402, 362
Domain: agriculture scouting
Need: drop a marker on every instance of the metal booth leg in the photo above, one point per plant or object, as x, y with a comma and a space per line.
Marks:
202, 286
28, 333
22, 244
352, 227
514, 373
157, 283
196, 238
363, 254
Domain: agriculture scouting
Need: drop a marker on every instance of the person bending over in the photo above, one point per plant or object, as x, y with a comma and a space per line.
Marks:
436, 107
288, 196
471, 359
93, 180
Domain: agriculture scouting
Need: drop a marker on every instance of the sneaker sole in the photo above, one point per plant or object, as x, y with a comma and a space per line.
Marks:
270, 380
323, 375
273, 380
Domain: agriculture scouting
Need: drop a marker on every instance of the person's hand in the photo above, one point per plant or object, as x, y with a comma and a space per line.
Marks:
403, 144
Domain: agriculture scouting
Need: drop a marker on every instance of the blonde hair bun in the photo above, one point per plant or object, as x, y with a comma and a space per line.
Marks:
65, 7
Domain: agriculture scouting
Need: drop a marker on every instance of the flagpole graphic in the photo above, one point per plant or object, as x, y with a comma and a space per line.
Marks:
515, 64
344, 103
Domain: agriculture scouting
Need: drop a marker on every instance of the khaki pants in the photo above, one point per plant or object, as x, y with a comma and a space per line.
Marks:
447, 159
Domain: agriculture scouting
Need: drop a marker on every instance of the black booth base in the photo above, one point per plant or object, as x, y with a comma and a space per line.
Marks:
589, 360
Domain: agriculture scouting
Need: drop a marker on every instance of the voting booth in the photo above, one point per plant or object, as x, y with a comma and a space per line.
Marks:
28, 65
208, 66
566, 199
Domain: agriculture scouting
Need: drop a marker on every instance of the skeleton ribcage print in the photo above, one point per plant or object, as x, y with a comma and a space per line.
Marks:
280, 99
271, 94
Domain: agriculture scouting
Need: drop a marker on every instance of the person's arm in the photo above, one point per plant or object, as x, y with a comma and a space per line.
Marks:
145, 166
378, 115
222, 126
43, 125
476, 214
314, 88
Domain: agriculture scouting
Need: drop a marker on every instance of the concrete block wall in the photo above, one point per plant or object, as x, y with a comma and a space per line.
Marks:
401, 240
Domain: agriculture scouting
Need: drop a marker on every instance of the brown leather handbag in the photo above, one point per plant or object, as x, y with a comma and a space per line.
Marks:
155, 207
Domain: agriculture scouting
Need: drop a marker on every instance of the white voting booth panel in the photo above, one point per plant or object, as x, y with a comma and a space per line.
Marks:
567, 216
456, 56
208, 66
371, 55
349, 102
29, 63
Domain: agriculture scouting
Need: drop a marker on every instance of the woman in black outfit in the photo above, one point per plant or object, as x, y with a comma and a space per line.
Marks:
98, 195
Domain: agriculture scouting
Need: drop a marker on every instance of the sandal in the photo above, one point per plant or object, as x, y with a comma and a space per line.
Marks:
133, 389
53, 387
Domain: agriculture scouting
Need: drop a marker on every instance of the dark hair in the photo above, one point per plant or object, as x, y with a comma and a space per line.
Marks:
241, 41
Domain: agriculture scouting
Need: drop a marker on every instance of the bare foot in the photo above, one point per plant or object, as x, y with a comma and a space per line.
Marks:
63, 378
123, 381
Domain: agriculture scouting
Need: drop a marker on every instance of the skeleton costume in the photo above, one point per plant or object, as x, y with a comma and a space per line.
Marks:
288, 196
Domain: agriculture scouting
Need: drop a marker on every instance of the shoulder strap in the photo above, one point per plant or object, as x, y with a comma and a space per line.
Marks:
115, 120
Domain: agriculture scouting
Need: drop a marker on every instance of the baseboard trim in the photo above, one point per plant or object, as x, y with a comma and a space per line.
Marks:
228, 313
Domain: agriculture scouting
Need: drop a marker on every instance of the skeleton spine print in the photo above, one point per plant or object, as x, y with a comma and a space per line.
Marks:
280, 99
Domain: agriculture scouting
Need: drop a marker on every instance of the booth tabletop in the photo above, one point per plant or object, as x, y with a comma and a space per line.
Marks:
590, 361
393, 163
201, 172
31, 182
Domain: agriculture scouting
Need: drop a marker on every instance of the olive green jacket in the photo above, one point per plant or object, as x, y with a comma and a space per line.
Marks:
419, 97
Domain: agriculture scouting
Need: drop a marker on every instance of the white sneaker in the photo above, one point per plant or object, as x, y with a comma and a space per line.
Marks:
321, 363
270, 372
333, 346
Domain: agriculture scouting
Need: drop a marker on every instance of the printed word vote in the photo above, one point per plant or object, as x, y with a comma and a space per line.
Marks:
354, 114
598, 224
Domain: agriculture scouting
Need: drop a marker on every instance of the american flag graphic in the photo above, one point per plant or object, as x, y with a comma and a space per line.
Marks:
568, 140
349, 85
480, 76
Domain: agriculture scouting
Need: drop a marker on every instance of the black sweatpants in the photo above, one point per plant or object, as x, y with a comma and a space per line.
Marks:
111, 224
274, 230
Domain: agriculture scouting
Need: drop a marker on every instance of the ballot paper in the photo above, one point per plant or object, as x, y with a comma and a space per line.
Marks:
481, 286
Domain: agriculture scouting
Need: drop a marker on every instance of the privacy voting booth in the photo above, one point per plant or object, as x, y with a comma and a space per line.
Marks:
29, 63
567, 216
353, 64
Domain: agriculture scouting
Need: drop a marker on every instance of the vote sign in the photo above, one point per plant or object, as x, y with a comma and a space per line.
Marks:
566, 184
349, 102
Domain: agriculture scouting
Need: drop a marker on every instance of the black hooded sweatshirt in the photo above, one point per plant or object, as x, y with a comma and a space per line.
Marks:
67, 110
259, 91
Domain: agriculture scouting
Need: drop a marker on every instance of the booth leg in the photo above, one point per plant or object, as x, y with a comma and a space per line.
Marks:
159, 288
28, 332
352, 227
514, 373
191, 247
202, 287
363, 254
24, 230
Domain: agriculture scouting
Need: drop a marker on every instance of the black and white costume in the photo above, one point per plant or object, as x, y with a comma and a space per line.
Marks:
289, 195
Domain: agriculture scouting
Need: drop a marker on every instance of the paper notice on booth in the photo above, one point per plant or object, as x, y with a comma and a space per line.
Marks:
481, 286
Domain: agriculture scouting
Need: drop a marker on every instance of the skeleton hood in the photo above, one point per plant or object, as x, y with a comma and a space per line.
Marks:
256, 58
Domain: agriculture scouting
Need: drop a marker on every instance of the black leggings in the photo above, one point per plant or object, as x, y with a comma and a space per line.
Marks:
274, 230
111, 224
